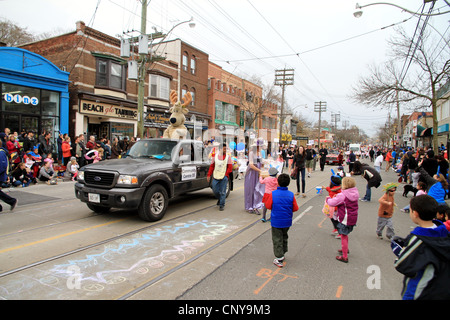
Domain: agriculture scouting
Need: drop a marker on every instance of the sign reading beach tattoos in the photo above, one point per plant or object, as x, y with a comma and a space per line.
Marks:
188, 173
107, 110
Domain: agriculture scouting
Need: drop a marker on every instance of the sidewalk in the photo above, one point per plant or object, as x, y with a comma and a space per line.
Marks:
41, 192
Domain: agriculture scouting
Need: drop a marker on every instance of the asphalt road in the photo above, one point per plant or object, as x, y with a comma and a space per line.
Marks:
53, 247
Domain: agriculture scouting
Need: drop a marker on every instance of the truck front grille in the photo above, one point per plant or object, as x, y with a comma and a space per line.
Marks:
96, 178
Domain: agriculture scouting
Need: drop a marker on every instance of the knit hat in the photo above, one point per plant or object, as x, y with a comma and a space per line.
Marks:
273, 171
389, 186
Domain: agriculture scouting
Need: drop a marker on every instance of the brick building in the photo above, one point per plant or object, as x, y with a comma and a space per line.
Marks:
238, 108
103, 100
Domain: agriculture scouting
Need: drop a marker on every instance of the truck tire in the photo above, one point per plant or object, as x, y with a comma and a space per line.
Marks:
98, 209
154, 203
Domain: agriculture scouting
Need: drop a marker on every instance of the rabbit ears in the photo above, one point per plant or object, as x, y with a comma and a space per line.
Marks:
187, 99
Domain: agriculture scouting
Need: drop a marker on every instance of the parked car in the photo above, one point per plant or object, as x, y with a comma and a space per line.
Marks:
154, 171
332, 157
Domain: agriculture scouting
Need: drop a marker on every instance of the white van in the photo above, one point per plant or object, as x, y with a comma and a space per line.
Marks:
355, 147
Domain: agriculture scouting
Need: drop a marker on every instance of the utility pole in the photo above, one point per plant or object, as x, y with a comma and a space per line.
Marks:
283, 78
143, 40
142, 68
335, 117
320, 107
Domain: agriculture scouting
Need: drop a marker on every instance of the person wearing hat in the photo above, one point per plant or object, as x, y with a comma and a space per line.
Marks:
271, 183
253, 190
220, 169
386, 211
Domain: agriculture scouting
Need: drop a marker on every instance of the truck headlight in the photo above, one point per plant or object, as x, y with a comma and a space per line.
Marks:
128, 180
80, 176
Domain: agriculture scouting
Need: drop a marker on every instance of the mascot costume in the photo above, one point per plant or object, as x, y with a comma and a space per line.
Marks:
177, 129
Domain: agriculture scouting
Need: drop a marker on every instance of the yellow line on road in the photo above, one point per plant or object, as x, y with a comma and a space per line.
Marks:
59, 236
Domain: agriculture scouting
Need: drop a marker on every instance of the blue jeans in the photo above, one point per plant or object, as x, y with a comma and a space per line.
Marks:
219, 188
368, 193
302, 172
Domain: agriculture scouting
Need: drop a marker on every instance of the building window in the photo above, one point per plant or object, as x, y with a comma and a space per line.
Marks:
159, 87
193, 96
225, 113
110, 74
184, 90
185, 61
193, 65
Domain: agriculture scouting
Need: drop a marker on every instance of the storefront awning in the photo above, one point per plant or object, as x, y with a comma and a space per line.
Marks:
420, 129
426, 132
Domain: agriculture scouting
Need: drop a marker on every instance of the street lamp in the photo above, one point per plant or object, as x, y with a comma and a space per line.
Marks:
358, 13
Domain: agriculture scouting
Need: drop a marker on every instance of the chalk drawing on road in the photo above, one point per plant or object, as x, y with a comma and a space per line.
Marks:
121, 262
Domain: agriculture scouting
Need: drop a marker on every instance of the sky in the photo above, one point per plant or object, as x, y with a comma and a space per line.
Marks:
328, 47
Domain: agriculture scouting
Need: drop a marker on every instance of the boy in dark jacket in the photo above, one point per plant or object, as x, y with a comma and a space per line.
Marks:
283, 204
424, 256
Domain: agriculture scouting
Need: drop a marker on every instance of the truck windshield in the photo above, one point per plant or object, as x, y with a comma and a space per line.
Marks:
152, 149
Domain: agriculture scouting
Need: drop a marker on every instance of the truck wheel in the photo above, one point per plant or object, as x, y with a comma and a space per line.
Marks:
98, 209
154, 203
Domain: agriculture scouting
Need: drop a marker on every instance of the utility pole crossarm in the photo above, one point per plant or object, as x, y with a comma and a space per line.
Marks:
283, 78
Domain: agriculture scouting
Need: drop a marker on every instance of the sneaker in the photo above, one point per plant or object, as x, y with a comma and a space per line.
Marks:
338, 236
379, 236
342, 259
221, 208
278, 262
363, 200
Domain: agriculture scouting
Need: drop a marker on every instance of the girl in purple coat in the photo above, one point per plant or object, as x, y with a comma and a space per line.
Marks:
347, 213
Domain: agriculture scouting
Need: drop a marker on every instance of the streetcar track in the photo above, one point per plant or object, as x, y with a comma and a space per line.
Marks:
152, 281
74, 251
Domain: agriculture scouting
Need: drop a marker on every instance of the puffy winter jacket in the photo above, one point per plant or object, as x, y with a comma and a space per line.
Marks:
347, 200
282, 203
425, 263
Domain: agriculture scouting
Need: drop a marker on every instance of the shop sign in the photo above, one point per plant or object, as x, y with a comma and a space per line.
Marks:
107, 110
17, 98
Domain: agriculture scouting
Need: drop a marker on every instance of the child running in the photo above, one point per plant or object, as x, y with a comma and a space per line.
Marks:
347, 213
283, 204
271, 183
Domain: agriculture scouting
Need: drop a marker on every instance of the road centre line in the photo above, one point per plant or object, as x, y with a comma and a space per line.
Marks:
60, 236
301, 214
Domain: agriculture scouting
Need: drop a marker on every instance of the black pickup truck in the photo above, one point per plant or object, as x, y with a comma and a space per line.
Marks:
154, 171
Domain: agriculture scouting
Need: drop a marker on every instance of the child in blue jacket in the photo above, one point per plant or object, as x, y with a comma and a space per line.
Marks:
424, 256
283, 204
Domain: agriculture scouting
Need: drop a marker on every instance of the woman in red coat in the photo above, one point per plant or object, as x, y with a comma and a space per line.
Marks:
14, 150
66, 149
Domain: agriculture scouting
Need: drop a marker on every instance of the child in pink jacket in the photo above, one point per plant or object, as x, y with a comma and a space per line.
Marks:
271, 184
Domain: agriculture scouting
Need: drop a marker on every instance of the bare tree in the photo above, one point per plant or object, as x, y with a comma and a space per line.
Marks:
390, 84
13, 35
255, 106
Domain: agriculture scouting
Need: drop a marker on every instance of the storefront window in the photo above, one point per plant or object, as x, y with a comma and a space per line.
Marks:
121, 130
20, 99
30, 109
50, 103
